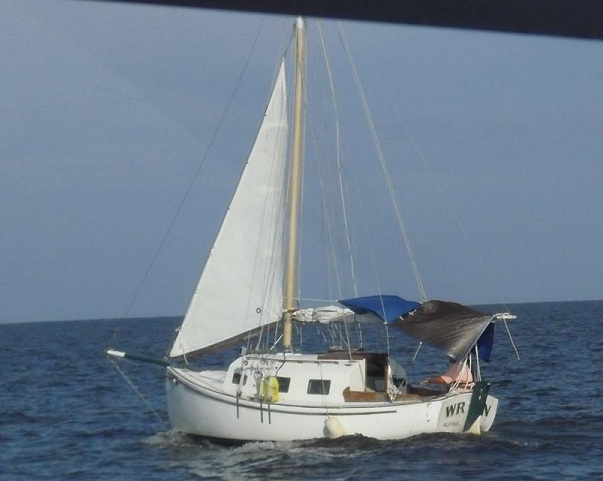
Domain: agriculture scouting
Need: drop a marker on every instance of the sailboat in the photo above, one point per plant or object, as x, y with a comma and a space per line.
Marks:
248, 288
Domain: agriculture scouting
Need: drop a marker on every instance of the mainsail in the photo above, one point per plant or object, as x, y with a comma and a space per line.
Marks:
241, 285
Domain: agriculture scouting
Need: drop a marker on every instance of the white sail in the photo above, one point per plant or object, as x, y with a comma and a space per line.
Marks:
241, 285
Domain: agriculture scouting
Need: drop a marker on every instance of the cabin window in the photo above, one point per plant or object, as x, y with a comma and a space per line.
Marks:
319, 386
283, 383
236, 378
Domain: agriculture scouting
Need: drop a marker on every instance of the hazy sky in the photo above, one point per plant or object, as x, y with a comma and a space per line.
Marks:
107, 111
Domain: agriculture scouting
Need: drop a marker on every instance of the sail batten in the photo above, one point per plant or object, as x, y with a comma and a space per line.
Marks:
240, 288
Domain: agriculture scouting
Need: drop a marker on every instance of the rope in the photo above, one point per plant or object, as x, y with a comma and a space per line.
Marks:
339, 166
489, 277
139, 394
417, 351
511, 339
196, 174
384, 168
478, 368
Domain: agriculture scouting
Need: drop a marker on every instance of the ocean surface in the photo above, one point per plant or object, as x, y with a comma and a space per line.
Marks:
66, 412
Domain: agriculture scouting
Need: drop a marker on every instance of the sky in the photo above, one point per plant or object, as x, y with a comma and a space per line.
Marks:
107, 113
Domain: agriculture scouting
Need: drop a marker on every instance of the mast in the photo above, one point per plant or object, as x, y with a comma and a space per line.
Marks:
295, 181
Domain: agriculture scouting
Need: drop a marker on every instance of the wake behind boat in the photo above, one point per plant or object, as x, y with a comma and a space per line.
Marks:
248, 290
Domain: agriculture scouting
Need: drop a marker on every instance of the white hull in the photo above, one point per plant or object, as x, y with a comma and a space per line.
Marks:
197, 404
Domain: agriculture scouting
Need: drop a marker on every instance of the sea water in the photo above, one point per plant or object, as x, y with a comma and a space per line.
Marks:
66, 412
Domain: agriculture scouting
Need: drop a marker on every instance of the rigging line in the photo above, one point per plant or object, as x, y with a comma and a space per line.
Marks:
417, 351
511, 339
197, 172
343, 198
338, 150
331, 260
478, 367
139, 394
364, 224
331, 266
384, 168
387, 340
360, 197
363, 210
324, 397
455, 216
334, 282
446, 199
339, 169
